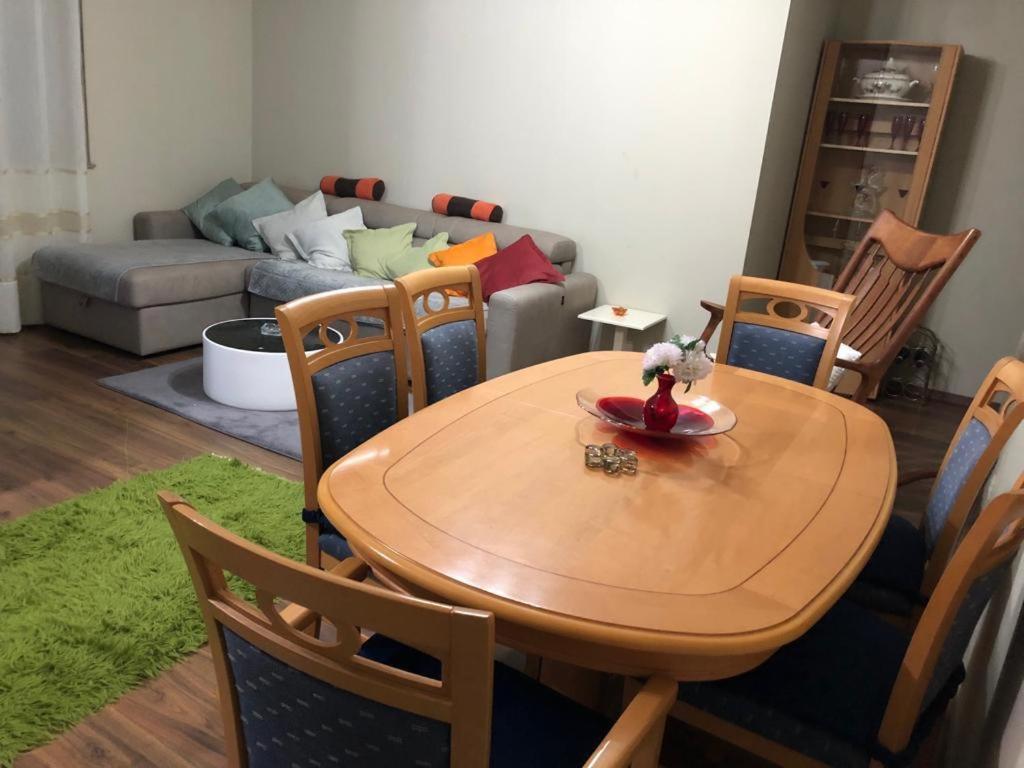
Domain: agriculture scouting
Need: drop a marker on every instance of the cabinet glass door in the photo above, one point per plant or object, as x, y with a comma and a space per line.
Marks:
873, 133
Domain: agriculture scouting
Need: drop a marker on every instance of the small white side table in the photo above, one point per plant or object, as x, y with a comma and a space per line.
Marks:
633, 320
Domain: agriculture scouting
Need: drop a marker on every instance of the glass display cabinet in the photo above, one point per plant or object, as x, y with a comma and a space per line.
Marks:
871, 139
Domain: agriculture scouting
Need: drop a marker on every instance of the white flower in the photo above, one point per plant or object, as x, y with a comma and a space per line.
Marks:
694, 365
662, 355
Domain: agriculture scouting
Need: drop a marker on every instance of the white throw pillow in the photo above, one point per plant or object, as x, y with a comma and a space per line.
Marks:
322, 243
845, 352
275, 227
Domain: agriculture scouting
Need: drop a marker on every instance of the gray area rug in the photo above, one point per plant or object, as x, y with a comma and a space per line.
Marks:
178, 388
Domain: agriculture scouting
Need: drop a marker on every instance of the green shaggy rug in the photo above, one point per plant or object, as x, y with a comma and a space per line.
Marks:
95, 597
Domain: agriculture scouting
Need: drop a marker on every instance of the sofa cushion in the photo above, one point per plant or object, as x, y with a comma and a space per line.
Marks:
518, 264
284, 281
469, 252
560, 249
199, 211
146, 273
322, 243
236, 213
370, 249
275, 227
417, 257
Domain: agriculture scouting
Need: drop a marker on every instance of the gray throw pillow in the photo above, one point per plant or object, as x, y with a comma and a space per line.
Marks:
275, 227
235, 214
199, 211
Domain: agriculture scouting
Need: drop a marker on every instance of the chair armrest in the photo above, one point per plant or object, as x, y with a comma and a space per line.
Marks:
916, 475
717, 312
300, 617
537, 322
637, 733
868, 377
164, 225
853, 365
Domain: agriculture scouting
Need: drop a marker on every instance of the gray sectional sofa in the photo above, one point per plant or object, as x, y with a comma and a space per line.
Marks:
160, 291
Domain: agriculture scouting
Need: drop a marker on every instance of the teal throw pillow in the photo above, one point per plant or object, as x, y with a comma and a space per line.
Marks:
199, 211
235, 214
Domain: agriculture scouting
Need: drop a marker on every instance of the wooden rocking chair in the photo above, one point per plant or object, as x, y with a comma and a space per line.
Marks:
895, 274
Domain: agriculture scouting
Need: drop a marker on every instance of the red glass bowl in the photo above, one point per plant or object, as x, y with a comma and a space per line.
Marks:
698, 415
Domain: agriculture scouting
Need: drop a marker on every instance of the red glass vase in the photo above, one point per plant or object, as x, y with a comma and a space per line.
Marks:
660, 410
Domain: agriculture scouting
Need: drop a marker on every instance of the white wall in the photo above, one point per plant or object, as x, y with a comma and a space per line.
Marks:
810, 23
170, 103
637, 130
978, 178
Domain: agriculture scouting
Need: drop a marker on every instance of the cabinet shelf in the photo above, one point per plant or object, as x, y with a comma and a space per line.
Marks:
876, 150
832, 243
882, 102
840, 216
831, 207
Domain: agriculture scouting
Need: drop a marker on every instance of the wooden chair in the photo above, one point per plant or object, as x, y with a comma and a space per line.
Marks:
445, 331
895, 274
908, 561
424, 691
346, 392
760, 335
855, 690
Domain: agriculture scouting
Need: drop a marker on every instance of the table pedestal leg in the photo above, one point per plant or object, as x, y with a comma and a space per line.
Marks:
619, 340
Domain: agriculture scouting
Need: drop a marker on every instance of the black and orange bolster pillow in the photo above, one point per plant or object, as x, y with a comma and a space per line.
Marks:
467, 208
366, 189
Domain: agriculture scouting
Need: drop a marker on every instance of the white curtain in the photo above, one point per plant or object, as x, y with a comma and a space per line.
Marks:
43, 155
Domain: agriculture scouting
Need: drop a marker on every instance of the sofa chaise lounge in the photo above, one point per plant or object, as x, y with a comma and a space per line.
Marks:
160, 291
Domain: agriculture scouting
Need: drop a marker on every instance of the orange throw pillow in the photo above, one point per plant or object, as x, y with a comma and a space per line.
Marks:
469, 252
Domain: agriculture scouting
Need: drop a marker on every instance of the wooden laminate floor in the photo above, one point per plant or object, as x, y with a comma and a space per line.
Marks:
61, 434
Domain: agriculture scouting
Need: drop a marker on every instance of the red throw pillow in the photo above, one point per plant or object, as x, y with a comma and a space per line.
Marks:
518, 264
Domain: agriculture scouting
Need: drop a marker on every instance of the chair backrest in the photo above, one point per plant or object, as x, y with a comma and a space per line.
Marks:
991, 419
446, 337
944, 631
290, 698
351, 389
785, 329
895, 274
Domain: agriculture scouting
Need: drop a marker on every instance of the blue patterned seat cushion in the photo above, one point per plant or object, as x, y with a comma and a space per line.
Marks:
292, 719
531, 725
449, 359
891, 580
334, 544
823, 695
329, 540
355, 400
790, 355
962, 461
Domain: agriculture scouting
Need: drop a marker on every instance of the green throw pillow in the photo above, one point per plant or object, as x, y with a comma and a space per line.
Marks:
236, 213
369, 250
416, 257
199, 211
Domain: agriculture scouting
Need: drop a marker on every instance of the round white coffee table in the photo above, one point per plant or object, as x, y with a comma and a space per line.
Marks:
245, 365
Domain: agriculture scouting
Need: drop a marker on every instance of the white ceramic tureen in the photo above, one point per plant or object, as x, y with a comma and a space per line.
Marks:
889, 82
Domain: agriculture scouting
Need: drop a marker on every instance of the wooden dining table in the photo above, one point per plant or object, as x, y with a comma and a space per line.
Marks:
717, 552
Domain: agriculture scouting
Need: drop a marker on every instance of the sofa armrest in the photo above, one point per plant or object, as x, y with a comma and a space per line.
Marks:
534, 323
163, 225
